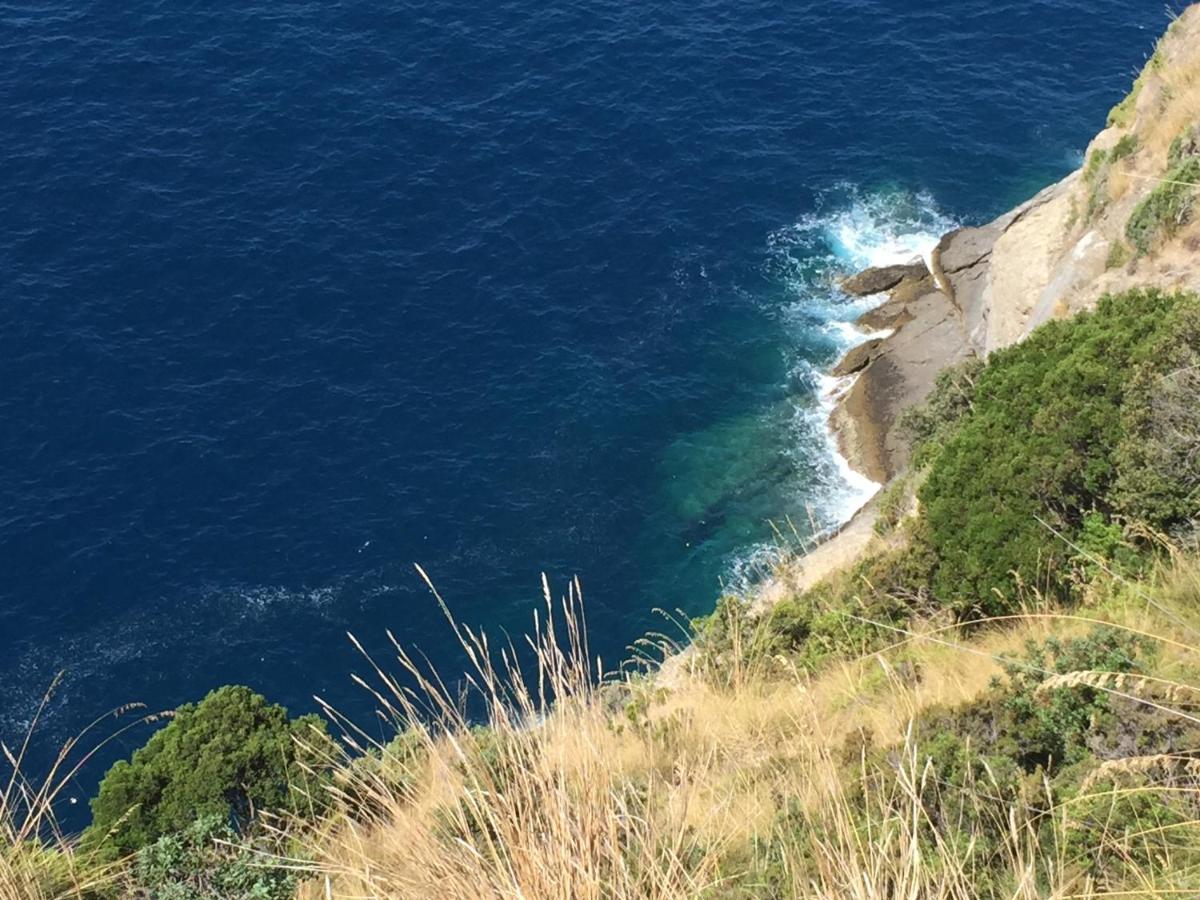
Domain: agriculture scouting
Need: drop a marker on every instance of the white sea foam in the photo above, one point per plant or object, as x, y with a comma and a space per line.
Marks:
852, 489
848, 335
852, 231
881, 229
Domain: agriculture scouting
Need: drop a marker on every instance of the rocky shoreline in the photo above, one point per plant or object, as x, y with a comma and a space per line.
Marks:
985, 288
938, 313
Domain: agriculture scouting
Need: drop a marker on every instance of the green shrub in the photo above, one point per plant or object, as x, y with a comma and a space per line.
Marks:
928, 425
231, 756
1038, 443
209, 861
1025, 744
1095, 175
1039, 730
1185, 145
1118, 255
1096, 172
1166, 208
1117, 838
853, 613
1101, 544
1052, 728
892, 505
861, 610
1095, 164
1158, 458
1126, 146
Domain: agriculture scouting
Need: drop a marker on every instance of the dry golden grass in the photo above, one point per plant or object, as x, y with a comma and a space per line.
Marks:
37, 860
579, 799
1168, 103
1179, 106
1118, 181
725, 789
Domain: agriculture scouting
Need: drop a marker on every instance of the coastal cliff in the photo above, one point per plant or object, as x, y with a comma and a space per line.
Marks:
1123, 219
983, 686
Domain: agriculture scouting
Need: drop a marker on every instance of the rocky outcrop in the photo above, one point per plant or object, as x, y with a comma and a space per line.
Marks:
882, 278
899, 373
858, 358
988, 287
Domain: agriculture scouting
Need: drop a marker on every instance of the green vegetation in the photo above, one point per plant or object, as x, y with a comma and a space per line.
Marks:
1158, 456
1042, 733
1165, 209
208, 860
1184, 147
1095, 175
1096, 162
1039, 730
1126, 146
1172, 202
1118, 255
1039, 451
1121, 115
893, 503
928, 426
233, 755
1035, 468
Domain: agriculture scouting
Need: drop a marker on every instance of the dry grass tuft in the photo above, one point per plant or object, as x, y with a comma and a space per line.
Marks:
37, 860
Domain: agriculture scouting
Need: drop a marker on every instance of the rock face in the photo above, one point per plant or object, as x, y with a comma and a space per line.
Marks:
988, 287
857, 359
880, 279
899, 373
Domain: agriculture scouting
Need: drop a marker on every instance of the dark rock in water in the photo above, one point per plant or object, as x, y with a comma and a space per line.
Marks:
884, 278
857, 358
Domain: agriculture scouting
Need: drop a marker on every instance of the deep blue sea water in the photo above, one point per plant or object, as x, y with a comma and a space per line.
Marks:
297, 294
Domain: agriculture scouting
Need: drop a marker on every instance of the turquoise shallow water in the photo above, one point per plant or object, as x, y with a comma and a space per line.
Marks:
297, 295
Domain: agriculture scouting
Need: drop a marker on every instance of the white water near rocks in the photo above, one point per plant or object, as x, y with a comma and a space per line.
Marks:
856, 230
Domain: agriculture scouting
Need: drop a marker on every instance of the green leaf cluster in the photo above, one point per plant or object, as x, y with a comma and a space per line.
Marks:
209, 861
231, 756
1037, 449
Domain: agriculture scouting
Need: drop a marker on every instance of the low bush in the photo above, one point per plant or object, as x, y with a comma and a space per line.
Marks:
928, 425
1126, 146
209, 861
1118, 255
858, 611
1166, 208
1158, 457
232, 755
1037, 451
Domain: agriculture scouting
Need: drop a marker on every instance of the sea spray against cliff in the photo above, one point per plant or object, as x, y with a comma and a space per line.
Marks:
853, 230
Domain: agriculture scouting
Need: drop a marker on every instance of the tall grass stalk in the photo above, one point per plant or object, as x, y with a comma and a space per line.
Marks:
38, 860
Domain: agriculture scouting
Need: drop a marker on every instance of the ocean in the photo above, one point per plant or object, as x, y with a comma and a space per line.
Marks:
299, 294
